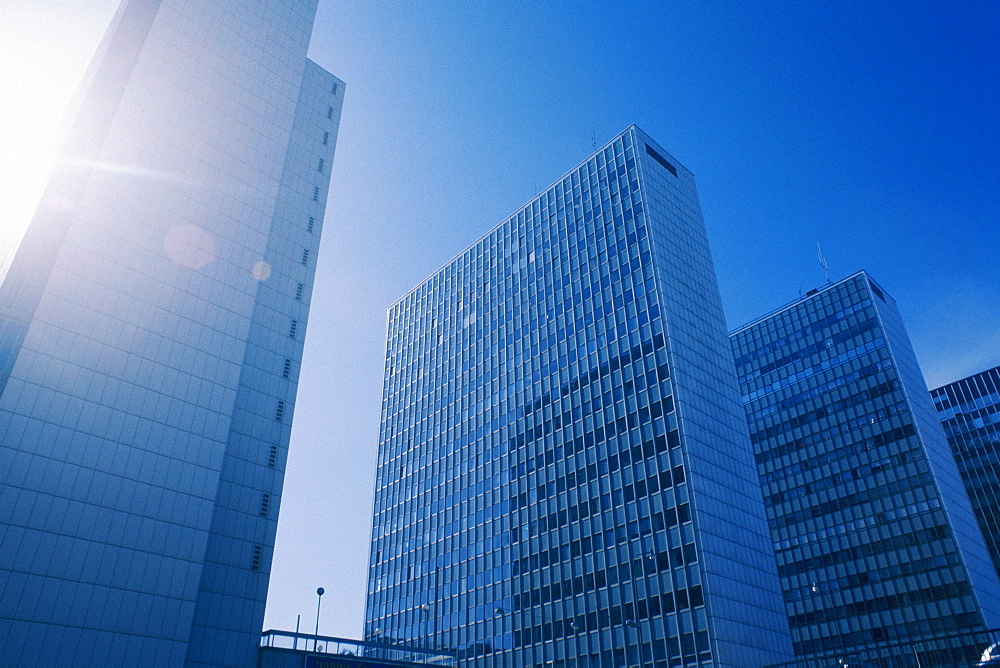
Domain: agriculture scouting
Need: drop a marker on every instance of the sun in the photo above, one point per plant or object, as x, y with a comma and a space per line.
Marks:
47, 45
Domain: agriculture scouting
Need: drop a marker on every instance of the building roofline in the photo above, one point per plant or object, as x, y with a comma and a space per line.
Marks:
942, 388
815, 292
631, 127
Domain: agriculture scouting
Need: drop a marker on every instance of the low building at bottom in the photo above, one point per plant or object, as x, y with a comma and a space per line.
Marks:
879, 555
287, 649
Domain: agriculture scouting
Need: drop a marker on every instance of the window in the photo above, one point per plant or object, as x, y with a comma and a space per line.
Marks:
660, 159
265, 504
326, 138
334, 91
310, 224
316, 194
298, 292
286, 372
272, 457
258, 553
329, 112
305, 256
292, 328
319, 168
279, 413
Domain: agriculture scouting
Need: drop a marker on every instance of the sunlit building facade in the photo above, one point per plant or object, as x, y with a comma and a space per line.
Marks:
876, 543
970, 413
564, 475
151, 329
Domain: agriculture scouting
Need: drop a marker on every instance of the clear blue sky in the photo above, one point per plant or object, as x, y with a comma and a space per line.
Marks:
871, 128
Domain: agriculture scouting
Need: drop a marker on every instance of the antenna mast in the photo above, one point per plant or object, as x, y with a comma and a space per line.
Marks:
822, 262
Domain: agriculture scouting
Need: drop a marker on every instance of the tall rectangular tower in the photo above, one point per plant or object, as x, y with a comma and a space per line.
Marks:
876, 543
564, 473
151, 329
970, 413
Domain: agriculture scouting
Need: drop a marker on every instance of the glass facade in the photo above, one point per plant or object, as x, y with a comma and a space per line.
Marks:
970, 413
564, 474
873, 533
151, 329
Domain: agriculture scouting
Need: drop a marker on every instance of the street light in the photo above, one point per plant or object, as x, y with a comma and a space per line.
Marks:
319, 600
827, 602
634, 623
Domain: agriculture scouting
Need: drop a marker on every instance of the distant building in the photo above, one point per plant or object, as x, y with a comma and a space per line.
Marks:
151, 329
564, 475
875, 539
970, 412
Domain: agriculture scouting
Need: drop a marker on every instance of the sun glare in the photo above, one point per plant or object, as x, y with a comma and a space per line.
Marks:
46, 47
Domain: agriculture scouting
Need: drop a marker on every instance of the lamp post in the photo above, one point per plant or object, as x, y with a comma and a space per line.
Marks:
319, 601
427, 608
648, 561
827, 602
634, 623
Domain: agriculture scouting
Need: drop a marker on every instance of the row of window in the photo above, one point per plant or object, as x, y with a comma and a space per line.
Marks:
804, 328
821, 346
782, 382
623, 572
831, 639
821, 591
281, 405
845, 440
653, 606
835, 378
864, 550
877, 396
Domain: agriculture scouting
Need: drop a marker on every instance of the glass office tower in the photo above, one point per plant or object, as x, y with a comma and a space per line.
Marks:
875, 539
151, 328
564, 473
970, 413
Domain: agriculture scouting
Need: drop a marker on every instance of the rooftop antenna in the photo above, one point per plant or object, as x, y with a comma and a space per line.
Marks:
822, 261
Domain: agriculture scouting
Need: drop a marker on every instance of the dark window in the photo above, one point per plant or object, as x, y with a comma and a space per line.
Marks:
279, 413
292, 328
298, 292
334, 91
660, 159
305, 256
319, 167
316, 194
272, 457
287, 370
265, 504
310, 224
329, 112
326, 138
878, 293
258, 552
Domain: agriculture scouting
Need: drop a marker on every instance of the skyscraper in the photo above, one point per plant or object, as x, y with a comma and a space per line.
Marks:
875, 540
564, 473
151, 329
970, 413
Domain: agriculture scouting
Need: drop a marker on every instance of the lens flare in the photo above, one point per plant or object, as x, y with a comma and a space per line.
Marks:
189, 246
